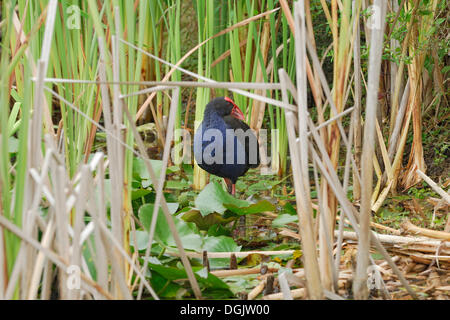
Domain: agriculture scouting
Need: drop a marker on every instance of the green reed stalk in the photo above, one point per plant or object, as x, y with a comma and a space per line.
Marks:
205, 18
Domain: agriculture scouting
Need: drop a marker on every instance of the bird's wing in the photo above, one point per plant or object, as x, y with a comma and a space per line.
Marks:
248, 139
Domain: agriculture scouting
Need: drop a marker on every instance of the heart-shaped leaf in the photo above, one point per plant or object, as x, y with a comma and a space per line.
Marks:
188, 232
283, 219
205, 222
258, 207
220, 244
214, 198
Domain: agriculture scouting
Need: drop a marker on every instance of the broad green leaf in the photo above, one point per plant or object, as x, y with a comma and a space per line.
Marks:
187, 231
171, 273
220, 244
289, 208
140, 170
163, 287
205, 222
177, 184
141, 240
139, 193
213, 197
219, 230
283, 219
258, 207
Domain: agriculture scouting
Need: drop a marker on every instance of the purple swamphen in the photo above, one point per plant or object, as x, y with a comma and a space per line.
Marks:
224, 145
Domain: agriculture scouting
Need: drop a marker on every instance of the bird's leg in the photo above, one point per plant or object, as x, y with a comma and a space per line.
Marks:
242, 221
230, 186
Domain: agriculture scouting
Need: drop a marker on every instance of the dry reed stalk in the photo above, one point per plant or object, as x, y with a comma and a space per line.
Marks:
86, 283
434, 186
360, 281
239, 272
408, 227
422, 243
171, 84
305, 225
409, 176
327, 92
39, 262
400, 69
35, 132
257, 290
99, 217
114, 156
259, 108
80, 207
356, 116
302, 149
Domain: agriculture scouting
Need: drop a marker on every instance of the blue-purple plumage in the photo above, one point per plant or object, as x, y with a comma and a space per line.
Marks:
224, 145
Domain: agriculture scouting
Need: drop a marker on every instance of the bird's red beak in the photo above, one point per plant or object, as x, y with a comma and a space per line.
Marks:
236, 112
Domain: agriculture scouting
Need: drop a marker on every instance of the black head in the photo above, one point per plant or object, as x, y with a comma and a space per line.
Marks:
224, 106
219, 106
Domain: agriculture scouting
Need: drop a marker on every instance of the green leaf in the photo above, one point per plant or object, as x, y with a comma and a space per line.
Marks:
220, 244
213, 197
139, 193
188, 232
283, 219
205, 222
140, 170
171, 273
163, 287
177, 184
218, 230
289, 209
258, 207
141, 240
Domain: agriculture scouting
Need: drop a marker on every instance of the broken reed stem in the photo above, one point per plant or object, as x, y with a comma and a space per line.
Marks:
86, 283
257, 290
434, 186
408, 227
239, 272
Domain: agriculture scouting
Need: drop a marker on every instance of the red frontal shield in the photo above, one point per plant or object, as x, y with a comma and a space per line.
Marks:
236, 112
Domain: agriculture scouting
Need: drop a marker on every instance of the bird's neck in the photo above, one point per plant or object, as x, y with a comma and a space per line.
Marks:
211, 116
